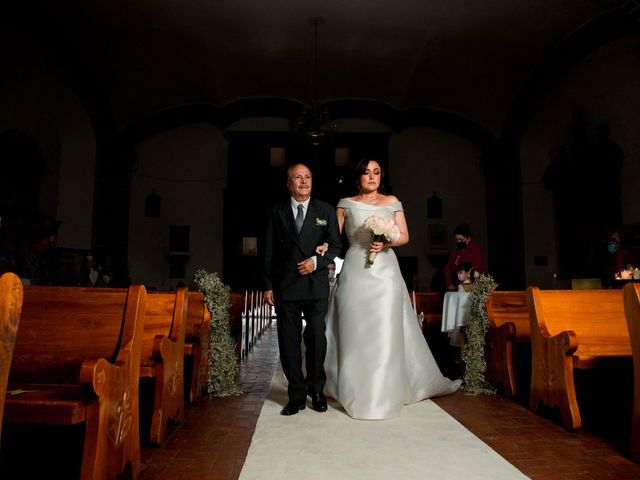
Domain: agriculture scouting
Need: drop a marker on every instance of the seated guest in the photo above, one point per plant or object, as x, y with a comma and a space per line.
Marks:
465, 275
621, 256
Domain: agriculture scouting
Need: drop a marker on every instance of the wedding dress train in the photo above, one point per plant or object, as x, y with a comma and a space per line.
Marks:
377, 358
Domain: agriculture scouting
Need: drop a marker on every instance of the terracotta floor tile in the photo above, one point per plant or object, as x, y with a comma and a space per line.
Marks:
215, 436
217, 433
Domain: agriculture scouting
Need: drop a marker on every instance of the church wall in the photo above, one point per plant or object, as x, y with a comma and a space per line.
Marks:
76, 184
420, 161
38, 102
187, 168
424, 160
606, 85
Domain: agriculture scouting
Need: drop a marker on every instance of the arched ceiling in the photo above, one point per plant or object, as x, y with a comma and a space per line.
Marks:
467, 57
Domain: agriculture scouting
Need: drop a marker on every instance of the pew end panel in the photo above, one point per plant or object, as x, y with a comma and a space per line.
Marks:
205, 334
571, 329
631, 293
508, 317
196, 347
162, 360
93, 337
10, 307
499, 357
429, 304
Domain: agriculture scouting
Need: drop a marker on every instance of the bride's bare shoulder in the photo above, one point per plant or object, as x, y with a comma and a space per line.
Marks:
389, 199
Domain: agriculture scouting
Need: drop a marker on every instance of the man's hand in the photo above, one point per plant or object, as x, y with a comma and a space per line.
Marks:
268, 297
305, 267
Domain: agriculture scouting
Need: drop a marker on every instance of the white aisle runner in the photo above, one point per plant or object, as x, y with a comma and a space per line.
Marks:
424, 443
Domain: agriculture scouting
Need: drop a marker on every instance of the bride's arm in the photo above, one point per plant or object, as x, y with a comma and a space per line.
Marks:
401, 222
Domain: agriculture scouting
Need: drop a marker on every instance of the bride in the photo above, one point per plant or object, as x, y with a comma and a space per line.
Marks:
377, 358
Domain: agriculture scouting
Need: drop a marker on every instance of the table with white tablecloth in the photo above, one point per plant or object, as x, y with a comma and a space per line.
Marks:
455, 311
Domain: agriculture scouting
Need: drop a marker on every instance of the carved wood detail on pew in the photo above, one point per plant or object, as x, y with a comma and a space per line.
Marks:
77, 361
10, 306
572, 329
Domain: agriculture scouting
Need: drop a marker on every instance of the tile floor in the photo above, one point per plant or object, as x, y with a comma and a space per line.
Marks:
214, 439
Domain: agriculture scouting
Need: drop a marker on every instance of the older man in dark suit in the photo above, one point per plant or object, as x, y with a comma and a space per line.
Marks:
296, 282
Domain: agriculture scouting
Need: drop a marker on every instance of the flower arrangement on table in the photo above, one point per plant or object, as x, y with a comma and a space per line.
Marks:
473, 353
382, 229
222, 372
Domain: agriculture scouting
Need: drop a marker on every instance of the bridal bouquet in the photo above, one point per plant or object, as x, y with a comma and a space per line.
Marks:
382, 229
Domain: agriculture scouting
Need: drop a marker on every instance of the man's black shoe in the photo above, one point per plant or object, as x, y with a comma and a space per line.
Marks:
293, 407
318, 402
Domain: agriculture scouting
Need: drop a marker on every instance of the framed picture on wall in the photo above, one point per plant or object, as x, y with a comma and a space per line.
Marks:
436, 236
249, 246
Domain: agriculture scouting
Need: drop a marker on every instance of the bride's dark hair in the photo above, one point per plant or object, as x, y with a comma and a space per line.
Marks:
361, 169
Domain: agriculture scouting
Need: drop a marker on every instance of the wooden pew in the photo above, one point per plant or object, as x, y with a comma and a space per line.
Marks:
572, 329
196, 345
254, 316
77, 361
430, 304
239, 330
429, 308
508, 316
10, 306
162, 359
631, 293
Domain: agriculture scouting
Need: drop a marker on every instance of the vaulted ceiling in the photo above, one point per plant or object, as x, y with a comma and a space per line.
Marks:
467, 57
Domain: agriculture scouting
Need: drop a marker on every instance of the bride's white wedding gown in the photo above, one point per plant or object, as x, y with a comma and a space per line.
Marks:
377, 358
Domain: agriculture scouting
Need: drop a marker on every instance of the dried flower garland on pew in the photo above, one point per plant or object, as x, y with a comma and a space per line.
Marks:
473, 353
222, 374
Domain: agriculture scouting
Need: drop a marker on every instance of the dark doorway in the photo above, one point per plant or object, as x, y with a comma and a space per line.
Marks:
257, 179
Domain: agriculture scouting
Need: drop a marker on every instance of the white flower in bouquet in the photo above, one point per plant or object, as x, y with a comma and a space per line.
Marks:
382, 228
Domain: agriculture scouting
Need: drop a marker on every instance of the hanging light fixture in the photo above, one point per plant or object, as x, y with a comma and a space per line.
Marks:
314, 121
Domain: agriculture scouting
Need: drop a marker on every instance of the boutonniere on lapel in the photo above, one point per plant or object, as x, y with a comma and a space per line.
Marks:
321, 222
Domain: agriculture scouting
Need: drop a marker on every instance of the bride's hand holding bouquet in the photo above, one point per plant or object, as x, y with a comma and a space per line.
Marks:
382, 229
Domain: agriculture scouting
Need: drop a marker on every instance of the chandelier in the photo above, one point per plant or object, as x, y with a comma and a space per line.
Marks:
314, 122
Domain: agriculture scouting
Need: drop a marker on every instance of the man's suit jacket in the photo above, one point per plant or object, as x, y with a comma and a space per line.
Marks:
284, 248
